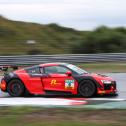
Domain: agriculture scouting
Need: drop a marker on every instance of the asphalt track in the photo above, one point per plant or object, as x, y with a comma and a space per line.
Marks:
106, 102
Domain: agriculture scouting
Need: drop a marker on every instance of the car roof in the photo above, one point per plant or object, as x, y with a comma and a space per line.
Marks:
52, 64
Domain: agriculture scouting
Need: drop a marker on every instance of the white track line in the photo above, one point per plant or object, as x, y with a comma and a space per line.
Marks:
38, 102
105, 99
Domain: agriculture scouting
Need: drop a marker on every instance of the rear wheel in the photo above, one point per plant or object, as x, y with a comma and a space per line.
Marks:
15, 88
87, 88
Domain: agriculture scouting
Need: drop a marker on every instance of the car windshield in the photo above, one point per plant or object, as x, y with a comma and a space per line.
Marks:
76, 69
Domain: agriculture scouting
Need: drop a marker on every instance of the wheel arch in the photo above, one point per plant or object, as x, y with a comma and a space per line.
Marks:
92, 80
15, 78
89, 79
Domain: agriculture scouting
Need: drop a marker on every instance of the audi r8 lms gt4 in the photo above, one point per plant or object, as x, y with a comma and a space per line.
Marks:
61, 78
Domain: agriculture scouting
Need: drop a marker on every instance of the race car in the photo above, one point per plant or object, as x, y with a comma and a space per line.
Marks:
56, 78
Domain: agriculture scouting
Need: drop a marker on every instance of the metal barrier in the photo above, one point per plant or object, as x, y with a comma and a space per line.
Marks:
71, 58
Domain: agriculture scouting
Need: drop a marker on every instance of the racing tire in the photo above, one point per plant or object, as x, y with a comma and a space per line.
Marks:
87, 88
15, 88
27, 93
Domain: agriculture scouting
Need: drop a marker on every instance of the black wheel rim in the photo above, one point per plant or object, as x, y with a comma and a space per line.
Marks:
15, 88
86, 90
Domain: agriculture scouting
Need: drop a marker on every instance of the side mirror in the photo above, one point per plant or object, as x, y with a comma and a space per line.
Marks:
68, 73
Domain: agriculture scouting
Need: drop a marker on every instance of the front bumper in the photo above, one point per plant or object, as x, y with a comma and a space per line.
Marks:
107, 92
108, 89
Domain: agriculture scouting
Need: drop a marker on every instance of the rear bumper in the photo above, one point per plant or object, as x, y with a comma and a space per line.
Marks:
3, 85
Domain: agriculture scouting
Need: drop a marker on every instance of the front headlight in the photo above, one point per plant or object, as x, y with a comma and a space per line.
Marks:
106, 81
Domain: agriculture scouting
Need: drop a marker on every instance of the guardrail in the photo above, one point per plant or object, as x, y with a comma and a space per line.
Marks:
71, 58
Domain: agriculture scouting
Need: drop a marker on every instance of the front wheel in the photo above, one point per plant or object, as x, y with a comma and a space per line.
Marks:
87, 88
15, 88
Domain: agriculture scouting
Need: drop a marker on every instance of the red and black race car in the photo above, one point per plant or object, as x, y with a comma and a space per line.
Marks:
62, 78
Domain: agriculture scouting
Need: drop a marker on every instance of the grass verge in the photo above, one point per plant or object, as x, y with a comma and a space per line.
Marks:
111, 67
36, 116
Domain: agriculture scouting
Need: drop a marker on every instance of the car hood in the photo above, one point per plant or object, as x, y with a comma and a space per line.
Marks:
99, 76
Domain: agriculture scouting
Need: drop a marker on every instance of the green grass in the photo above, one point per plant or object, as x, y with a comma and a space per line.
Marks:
55, 39
104, 67
50, 39
37, 116
14, 121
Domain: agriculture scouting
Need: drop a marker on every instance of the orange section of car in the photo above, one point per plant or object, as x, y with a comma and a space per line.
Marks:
3, 85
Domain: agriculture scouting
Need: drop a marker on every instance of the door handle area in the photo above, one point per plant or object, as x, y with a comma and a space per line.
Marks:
40, 75
45, 75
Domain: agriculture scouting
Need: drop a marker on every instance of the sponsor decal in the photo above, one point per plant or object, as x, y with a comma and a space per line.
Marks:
54, 82
69, 84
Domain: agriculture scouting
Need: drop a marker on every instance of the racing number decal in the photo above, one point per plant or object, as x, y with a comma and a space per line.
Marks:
54, 82
69, 84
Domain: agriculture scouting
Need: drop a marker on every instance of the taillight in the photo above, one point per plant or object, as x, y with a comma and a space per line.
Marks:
3, 85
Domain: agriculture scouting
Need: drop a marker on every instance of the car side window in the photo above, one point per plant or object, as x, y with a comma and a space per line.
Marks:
41, 70
55, 69
33, 70
62, 70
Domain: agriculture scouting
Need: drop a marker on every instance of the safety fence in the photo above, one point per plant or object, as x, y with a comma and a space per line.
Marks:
71, 58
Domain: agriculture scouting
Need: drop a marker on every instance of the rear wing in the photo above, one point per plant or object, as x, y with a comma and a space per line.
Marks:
6, 68
10, 68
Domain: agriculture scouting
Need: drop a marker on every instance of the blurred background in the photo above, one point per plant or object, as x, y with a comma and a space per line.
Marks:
62, 27
88, 33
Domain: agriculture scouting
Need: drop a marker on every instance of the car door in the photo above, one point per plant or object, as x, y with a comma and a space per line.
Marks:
35, 80
58, 80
